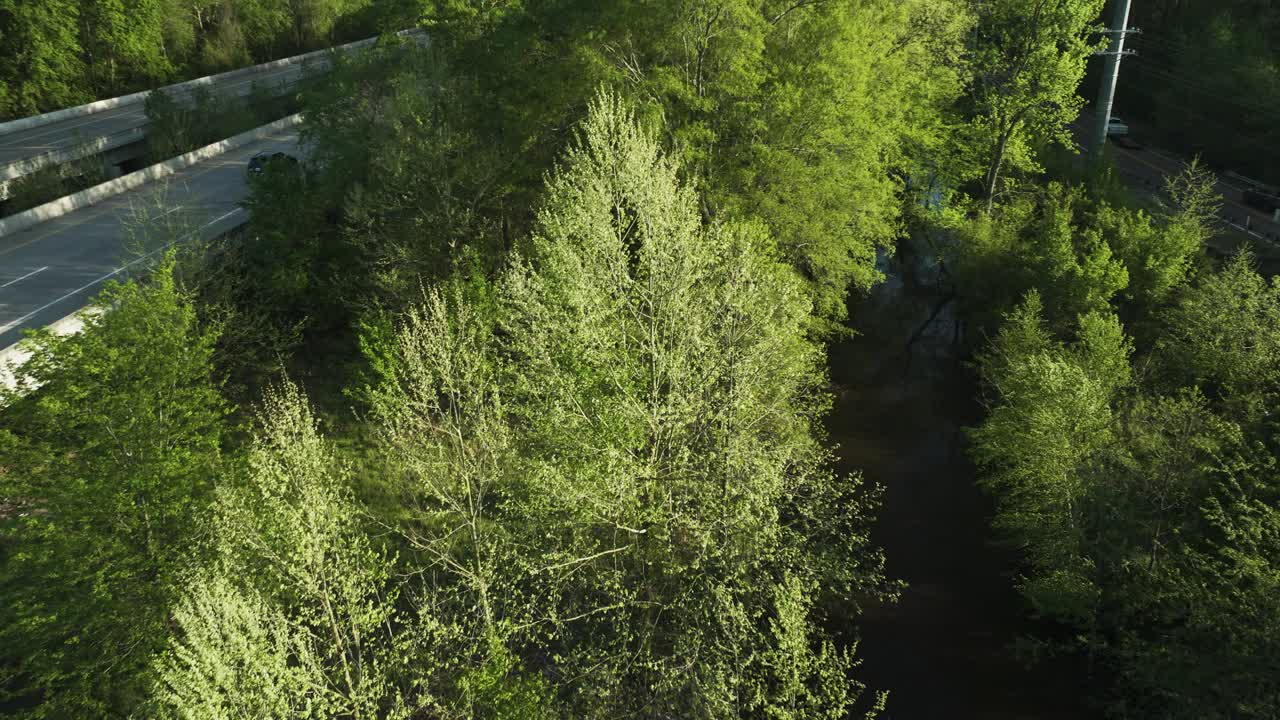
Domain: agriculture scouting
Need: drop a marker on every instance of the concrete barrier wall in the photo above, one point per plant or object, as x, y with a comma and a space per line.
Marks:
15, 356
98, 193
19, 168
93, 107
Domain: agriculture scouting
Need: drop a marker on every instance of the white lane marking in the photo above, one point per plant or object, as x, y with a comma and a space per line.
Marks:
24, 277
9, 326
166, 212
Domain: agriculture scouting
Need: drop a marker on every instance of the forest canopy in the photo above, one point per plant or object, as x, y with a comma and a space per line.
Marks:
526, 392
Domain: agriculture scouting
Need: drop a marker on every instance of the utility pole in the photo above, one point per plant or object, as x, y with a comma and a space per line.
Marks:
1110, 73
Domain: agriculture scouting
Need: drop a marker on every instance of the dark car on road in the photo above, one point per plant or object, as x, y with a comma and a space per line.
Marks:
260, 162
1125, 142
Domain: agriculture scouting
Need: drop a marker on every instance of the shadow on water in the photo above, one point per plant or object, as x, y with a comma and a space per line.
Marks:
945, 649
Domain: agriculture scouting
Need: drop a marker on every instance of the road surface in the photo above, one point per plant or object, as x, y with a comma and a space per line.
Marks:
25, 150
53, 269
1147, 169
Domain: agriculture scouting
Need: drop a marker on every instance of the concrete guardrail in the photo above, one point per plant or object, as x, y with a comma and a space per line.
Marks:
98, 193
26, 166
15, 356
100, 105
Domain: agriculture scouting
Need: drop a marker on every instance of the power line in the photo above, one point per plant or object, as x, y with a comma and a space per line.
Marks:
1147, 65
1183, 53
1181, 43
1269, 113
1256, 140
1152, 48
1107, 85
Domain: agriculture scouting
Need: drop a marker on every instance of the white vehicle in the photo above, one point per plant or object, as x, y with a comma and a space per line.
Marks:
1116, 126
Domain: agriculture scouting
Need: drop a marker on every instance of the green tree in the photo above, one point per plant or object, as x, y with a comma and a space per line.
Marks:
796, 114
1070, 260
43, 69
1028, 57
1145, 502
439, 402
1207, 640
1223, 335
853, 96
1160, 252
1048, 241
417, 185
123, 43
612, 455
1039, 448
229, 36
112, 451
296, 613
671, 402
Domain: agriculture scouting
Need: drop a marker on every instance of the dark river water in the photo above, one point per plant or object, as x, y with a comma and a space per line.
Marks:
944, 650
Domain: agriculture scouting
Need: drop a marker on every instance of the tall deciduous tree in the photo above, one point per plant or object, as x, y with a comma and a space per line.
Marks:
1051, 414
123, 42
1160, 252
1028, 57
616, 452
296, 612
1145, 503
1045, 240
662, 370
1205, 634
1223, 335
440, 402
395, 133
43, 68
111, 457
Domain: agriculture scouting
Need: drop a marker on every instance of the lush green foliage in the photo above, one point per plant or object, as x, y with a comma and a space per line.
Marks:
66, 52
42, 56
1028, 58
612, 452
295, 614
111, 465
1081, 252
418, 185
586, 474
608, 460
795, 113
1146, 503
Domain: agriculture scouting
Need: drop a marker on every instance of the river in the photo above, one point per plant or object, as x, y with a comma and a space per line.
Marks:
945, 649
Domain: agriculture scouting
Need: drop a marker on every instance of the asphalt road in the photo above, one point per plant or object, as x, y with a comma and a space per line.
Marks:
29, 144
1148, 168
53, 269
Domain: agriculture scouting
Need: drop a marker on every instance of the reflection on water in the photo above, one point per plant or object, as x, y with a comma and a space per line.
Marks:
943, 651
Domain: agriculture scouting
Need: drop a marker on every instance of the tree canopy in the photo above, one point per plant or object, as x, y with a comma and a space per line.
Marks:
513, 398
111, 462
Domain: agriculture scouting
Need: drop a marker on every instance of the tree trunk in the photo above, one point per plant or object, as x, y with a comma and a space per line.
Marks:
993, 171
